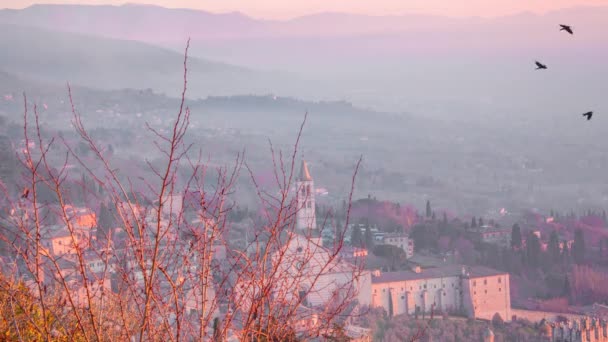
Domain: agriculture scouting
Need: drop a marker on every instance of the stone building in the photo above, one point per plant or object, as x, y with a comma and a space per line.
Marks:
402, 241
305, 199
478, 292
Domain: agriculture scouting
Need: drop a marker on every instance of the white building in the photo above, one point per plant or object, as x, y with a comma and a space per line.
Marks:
311, 271
478, 292
402, 241
305, 200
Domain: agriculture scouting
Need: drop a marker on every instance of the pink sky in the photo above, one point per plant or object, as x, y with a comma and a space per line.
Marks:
281, 9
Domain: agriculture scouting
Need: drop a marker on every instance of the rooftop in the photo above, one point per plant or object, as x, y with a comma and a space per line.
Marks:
436, 272
304, 173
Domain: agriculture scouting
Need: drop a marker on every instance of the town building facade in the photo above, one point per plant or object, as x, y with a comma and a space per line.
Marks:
476, 292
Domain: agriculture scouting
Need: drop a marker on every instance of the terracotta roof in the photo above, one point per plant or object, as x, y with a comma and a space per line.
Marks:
304, 173
436, 272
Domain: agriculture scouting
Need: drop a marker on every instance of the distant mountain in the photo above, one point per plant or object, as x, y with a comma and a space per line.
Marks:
157, 24
60, 57
436, 65
169, 27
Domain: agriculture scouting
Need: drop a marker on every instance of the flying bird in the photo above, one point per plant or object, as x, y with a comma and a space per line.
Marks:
25, 193
588, 115
566, 28
540, 66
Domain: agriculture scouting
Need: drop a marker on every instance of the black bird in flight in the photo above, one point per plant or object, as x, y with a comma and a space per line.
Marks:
588, 115
566, 28
540, 66
25, 193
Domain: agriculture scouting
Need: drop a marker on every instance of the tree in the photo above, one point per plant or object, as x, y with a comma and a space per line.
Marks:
428, 209
532, 249
390, 303
473, 222
105, 222
217, 337
356, 238
553, 247
516, 241
566, 290
497, 321
445, 220
337, 335
565, 252
578, 247
480, 222
161, 286
369, 238
394, 254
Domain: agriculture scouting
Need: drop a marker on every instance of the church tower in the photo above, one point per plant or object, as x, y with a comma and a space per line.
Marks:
305, 198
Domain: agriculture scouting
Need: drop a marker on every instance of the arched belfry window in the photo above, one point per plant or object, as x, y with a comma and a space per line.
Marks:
308, 190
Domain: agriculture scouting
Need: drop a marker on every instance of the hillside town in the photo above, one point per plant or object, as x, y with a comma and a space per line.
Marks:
89, 252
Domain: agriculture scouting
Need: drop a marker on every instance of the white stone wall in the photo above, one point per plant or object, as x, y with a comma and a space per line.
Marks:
490, 295
423, 293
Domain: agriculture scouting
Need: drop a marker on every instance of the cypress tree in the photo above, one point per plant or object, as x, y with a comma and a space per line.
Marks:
578, 247
532, 249
216, 330
516, 237
390, 303
553, 247
369, 238
566, 290
356, 238
428, 209
473, 222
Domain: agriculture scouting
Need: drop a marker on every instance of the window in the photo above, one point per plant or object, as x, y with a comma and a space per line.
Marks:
383, 290
474, 292
444, 294
499, 280
425, 286
402, 297
375, 290
499, 289
486, 291
485, 282
444, 285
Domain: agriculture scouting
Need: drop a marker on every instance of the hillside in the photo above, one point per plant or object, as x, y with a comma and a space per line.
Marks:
59, 57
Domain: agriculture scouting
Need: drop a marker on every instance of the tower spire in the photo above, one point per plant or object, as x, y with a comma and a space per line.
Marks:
305, 196
304, 173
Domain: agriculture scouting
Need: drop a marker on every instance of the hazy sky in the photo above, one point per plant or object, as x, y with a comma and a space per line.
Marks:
280, 9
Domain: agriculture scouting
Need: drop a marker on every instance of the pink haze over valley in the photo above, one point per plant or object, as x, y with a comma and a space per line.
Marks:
280, 9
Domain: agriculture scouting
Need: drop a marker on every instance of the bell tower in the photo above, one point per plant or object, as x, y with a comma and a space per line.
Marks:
305, 199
